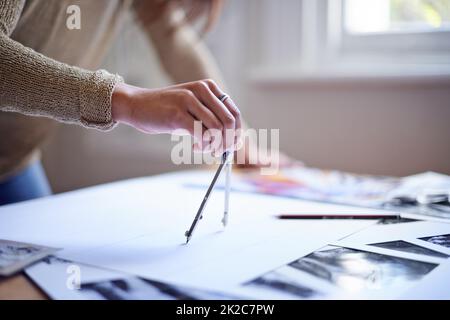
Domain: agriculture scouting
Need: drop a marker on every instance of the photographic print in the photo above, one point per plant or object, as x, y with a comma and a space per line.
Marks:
405, 246
395, 221
355, 270
284, 284
101, 284
134, 288
442, 240
14, 256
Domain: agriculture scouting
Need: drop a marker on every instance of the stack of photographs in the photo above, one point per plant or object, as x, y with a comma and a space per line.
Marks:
14, 256
361, 266
349, 272
380, 262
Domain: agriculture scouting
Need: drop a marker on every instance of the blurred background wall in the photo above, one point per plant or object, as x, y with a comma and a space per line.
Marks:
346, 93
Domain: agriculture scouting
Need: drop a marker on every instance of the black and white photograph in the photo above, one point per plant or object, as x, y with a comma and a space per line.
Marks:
355, 270
224, 149
134, 288
16, 255
405, 246
52, 274
442, 240
284, 285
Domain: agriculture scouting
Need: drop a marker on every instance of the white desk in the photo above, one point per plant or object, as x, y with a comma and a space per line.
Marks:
138, 226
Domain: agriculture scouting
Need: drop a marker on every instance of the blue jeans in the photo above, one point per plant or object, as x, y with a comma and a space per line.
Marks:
28, 184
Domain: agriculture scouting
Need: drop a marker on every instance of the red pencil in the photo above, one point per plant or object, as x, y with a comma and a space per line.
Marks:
337, 216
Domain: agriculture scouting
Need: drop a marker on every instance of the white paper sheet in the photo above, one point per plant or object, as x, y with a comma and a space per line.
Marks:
435, 286
138, 227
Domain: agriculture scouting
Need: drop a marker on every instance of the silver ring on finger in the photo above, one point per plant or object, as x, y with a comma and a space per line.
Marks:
223, 97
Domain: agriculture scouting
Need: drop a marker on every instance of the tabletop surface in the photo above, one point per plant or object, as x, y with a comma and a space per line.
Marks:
139, 190
19, 287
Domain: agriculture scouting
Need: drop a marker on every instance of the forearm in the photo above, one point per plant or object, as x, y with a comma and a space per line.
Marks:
37, 85
183, 55
34, 84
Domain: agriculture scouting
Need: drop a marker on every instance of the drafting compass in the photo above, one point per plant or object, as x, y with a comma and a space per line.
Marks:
224, 164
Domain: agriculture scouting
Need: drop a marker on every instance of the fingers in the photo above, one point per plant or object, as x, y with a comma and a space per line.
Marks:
199, 121
206, 144
222, 118
203, 114
208, 92
229, 104
188, 123
218, 108
210, 124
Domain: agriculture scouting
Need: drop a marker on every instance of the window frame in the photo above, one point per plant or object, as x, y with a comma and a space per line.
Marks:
327, 51
427, 44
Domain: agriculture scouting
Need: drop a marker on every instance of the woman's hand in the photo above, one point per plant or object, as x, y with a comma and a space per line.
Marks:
177, 107
250, 156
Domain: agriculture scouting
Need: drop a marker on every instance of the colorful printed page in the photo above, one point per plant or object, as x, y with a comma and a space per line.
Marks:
345, 188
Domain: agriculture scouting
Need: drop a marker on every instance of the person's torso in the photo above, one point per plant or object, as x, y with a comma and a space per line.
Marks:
43, 27
46, 27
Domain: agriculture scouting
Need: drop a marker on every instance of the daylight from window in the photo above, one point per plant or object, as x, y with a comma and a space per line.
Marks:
368, 16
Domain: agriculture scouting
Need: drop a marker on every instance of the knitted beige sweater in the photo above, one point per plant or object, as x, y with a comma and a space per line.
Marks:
32, 83
45, 67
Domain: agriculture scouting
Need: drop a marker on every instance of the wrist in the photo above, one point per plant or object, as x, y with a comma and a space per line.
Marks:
121, 103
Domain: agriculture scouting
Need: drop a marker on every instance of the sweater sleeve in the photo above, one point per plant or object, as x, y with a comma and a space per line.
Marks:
33, 84
183, 55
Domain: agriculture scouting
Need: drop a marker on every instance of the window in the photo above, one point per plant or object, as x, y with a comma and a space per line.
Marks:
328, 38
403, 31
396, 16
